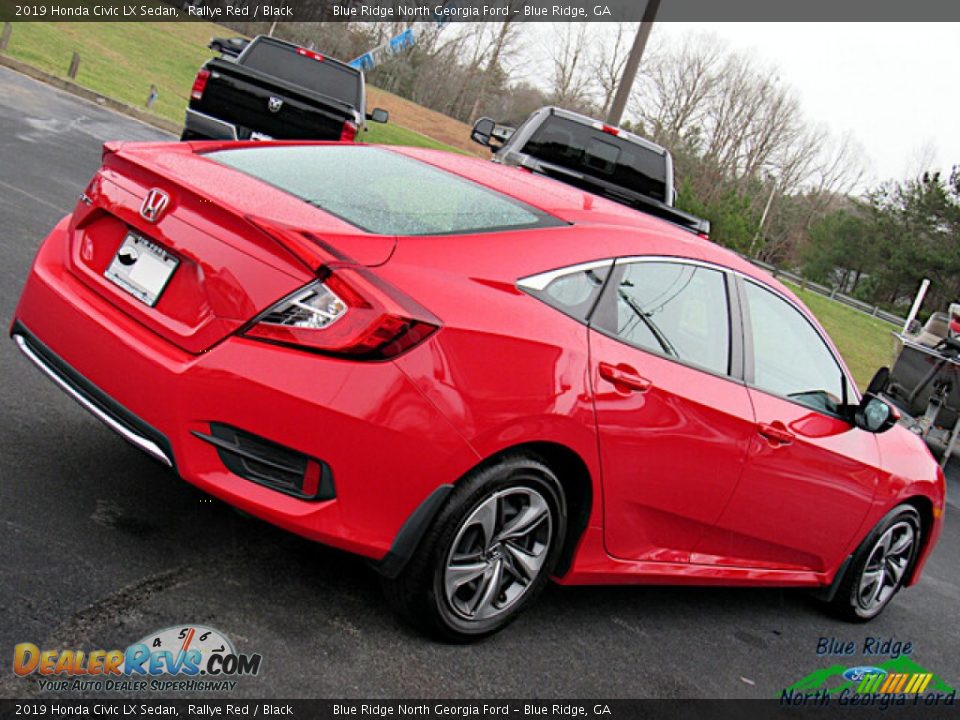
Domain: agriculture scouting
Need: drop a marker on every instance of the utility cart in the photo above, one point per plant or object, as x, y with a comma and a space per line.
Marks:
924, 382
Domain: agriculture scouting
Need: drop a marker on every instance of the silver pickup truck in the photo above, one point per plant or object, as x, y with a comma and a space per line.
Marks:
593, 156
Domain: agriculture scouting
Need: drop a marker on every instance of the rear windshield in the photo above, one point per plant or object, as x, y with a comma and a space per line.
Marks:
582, 148
327, 78
383, 192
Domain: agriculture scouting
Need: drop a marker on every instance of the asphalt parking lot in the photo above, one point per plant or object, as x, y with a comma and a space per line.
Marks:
100, 545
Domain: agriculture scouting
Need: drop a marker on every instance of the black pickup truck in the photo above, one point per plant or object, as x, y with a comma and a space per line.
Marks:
593, 156
275, 89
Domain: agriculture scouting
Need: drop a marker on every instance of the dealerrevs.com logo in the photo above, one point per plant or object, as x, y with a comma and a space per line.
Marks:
185, 657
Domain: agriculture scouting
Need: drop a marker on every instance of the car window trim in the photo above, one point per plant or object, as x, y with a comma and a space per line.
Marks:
735, 348
750, 358
536, 285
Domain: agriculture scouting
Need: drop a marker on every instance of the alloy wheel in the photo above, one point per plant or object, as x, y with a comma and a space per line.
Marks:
885, 567
497, 553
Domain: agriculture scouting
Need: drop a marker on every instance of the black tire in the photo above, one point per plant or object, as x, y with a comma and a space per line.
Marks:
854, 599
514, 485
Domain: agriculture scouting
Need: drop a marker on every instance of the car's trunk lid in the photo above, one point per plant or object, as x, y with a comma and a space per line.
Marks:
236, 245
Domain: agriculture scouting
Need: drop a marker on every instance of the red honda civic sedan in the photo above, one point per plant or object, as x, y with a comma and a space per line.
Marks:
476, 377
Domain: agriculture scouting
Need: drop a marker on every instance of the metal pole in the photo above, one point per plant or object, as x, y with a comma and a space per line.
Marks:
763, 219
633, 62
951, 444
918, 301
74, 66
5, 38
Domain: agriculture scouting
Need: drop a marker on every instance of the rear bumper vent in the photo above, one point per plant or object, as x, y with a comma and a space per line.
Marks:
267, 463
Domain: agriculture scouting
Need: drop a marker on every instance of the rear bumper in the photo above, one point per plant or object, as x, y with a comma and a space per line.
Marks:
114, 416
388, 448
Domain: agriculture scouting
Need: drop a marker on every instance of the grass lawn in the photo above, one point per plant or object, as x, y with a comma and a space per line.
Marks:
392, 134
865, 342
122, 60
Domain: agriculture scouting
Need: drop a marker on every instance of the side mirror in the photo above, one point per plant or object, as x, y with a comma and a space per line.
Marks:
879, 382
379, 115
875, 414
483, 131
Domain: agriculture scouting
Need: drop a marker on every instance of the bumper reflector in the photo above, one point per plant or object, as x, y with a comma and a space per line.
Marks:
266, 463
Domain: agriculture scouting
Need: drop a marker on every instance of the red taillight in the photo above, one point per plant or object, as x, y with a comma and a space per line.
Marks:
703, 235
310, 54
349, 131
610, 130
199, 84
349, 313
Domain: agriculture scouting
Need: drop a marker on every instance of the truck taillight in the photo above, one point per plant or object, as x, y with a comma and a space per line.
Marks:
349, 131
349, 313
310, 54
199, 84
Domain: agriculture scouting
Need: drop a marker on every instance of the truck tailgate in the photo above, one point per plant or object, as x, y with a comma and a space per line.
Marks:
248, 99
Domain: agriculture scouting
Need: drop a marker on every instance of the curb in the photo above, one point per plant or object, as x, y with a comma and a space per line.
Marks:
89, 95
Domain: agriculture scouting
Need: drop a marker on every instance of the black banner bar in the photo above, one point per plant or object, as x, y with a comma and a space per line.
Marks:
474, 10
202, 709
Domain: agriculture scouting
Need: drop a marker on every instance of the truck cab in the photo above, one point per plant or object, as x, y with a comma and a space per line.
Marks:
593, 156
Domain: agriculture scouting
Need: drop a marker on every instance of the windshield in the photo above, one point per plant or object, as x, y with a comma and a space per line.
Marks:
584, 149
382, 191
320, 76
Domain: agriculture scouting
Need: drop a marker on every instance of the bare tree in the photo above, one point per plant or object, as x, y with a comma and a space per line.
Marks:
608, 60
739, 138
671, 95
505, 36
570, 79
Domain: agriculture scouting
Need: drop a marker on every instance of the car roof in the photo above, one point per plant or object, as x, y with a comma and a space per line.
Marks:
587, 210
593, 227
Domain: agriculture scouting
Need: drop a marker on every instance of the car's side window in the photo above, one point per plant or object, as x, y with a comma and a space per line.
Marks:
674, 309
573, 291
790, 358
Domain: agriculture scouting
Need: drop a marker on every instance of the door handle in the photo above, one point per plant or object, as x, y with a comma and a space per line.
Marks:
776, 433
624, 378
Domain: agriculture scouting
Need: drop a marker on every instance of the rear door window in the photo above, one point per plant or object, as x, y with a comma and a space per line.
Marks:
673, 309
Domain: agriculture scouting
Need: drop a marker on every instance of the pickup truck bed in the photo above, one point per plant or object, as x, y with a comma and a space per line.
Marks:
238, 97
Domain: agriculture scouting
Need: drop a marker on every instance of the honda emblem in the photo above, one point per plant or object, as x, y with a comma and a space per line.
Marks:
274, 104
153, 205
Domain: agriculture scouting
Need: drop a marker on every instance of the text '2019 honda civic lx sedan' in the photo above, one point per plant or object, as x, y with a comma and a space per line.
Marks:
476, 377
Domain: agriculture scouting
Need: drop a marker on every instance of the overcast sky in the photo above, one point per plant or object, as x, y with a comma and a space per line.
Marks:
892, 85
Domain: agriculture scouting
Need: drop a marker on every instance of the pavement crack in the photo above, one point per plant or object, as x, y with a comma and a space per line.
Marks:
78, 630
